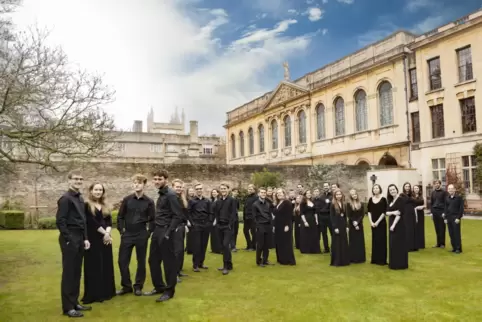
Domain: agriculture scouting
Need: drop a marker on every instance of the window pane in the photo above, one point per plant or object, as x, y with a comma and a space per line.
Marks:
473, 161
435, 175
465, 161
442, 163
434, 164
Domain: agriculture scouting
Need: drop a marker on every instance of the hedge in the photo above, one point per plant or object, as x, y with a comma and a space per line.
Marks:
50, 222
12, 219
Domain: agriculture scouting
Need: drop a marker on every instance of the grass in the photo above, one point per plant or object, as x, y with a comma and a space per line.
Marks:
439, 286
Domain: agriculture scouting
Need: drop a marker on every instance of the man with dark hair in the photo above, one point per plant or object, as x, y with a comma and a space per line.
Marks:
71, 222
200, 216
135, 222
262, 216
249, 226
453, 213
299, 189
224, 214
323, 211
437, 207
168, 217
235, 194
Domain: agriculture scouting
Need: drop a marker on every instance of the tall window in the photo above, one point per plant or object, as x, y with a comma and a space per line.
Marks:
274, 135
469, 168
320, 121
438, 124
464, 57
287, 130
385, 97
208, 149
241, 144
435, 74
251, 140
415, 116
339, 117
261, 138
413, 84
361, 112
439, 171
467, 110
156, 148
233, 146
302, 127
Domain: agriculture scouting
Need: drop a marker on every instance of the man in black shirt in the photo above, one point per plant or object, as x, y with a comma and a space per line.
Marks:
437, 205
262, 216
71, 222
249, 226
322, 207
135, 222
453, 213
168, 217
235, 193
224, 214
200, 214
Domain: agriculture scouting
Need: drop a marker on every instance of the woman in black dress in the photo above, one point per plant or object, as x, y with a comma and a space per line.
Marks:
420, 218
297, 219
410, 216
216, 246
99, 284
283, 213
271, 198
190, 194
398, 255
182, 229
377, 206
356, 241
309, 236
339, 243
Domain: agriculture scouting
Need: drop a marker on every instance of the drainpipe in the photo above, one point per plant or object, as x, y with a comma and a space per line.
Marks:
405, 74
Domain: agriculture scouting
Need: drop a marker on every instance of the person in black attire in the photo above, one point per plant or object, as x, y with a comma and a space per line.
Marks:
179, 234
262, 214
135, 223
322, 206
189, 244
453, 213
249, 226
168, 217
235, 193
71, 222
224, 214
216, 246
410, 216
437, 207
200, 216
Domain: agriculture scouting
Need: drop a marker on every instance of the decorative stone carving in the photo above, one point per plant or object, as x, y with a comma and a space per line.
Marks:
284, 93
287, 150
301, 148
274, 154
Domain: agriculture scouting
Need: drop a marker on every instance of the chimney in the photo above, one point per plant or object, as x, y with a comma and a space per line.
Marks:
137, 127
193, 131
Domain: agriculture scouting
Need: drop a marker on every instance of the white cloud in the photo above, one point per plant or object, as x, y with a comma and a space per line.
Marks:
324, 31
324, 1
416, 5
293, 12
346, 1
314, 14
148, 52
428, 24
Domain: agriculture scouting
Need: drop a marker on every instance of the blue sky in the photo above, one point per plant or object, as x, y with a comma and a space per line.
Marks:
210, 56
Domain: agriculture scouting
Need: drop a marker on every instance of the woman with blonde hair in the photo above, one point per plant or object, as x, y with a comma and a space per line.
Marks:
283, 213
339, 243
297, 219
309, 236
356, 236
99, 284
180, 232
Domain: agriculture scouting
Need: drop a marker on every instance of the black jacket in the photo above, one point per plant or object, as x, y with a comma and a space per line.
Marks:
262, 212
135, 213
454, 207
200, 211
248, 206
71, 214
169, 212
225, 211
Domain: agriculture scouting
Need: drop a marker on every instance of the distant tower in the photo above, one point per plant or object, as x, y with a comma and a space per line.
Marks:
183, 120
150, 120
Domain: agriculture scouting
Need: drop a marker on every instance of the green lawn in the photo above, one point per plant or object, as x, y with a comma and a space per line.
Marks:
439, 286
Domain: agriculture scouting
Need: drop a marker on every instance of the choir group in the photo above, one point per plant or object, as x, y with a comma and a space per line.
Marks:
272, 219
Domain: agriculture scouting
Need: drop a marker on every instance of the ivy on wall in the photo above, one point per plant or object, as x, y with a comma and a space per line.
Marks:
478, 169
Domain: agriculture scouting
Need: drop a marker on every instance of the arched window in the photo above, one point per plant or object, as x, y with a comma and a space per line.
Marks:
385, 98
339, 116
251, 140
261, 138
274, 135
320, 121
302, 127
233, 146
287, 130
241, 144
361, 112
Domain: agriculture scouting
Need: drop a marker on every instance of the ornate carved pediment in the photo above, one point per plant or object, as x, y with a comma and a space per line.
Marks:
283, 93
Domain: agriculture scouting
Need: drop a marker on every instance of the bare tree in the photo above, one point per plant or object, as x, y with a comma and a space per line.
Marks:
50, 110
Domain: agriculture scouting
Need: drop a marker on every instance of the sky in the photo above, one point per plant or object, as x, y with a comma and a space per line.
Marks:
210, 56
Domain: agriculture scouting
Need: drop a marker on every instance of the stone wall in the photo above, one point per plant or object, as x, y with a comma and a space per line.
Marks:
31, 187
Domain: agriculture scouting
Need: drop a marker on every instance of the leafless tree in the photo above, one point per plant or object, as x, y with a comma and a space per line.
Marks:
50, 110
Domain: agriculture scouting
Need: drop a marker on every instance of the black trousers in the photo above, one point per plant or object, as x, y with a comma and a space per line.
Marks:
129, 240
249, 230
178, 237
72, 255
439, 225
162, 252
325, 226
455, 233
226, 237
199, 238
235, 234
264, 237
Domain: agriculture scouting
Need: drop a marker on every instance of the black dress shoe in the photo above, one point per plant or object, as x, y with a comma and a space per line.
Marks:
153, 292
195, 269
123, 292
74, 314
261, 265
221, 269
458, 251
203, 267
79, 307
137, 292
234, 250
164, 298
179, 280
225, 271
182, 275
268, 264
